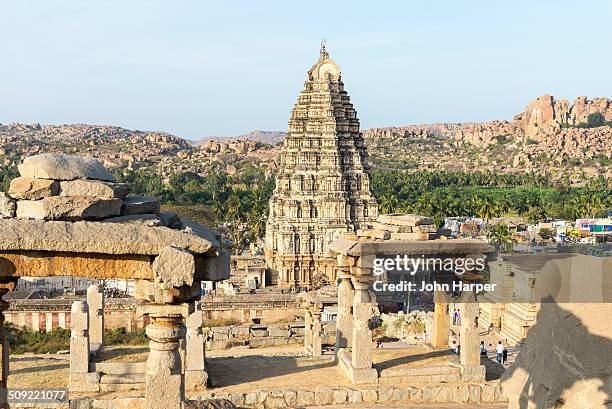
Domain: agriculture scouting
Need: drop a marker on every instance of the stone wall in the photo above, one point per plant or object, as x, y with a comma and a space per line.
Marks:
257, 336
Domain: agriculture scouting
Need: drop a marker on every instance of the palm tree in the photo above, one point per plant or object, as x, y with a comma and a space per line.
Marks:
217, 208
488, 209
234, 207
388, 203
500, 235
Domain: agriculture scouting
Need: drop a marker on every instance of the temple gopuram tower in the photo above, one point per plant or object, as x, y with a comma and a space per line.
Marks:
322, 186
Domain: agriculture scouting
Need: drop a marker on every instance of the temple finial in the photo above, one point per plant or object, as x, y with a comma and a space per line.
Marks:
323, 53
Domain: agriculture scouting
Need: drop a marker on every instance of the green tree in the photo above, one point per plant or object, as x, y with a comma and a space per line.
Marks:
388, 203
499, 235
488, 209
595, 119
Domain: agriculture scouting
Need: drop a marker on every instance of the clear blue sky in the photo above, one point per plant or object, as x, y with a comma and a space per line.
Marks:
200, 68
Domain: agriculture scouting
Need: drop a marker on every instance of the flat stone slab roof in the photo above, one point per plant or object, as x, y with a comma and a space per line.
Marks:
425, 247
101, 237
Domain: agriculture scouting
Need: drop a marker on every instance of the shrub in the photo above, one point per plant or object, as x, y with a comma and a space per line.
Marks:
595, 119
22, 340
120, 336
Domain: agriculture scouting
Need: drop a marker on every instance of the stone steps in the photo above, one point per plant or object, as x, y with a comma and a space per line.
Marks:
120, 368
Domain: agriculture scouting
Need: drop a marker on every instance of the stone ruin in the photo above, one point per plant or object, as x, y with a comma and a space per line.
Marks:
66, 216
87, 340
356, 303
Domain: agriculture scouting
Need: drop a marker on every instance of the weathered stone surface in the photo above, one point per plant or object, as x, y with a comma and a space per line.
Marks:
32, 189
276, 400
369, 394
99, 237
430, 247
157, 293
93, 188
147, 219
7, 206
323, 397
339, 396
95, 302
42, 264
174, 267
68, 208
354, 396
63, 167
140, 204
305, 398
291, 398
404, 219
170, 219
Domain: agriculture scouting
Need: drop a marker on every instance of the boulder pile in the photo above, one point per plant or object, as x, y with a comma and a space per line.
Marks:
73, 188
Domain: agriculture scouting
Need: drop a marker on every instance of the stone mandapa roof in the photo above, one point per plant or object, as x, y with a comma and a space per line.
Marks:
103, 237
426, 247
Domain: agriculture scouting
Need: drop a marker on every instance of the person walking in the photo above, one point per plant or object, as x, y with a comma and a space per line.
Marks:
505, 356
458, 317
483, 349
499, 352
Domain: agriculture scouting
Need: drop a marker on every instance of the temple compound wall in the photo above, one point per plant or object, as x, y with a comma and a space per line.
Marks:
322, 185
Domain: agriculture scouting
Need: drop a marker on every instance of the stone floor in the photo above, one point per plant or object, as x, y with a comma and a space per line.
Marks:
38, 371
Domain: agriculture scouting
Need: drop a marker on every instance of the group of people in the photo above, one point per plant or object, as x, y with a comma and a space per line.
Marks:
456, 317
501, 353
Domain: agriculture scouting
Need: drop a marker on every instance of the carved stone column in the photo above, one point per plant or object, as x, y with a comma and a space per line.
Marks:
165, 382
80, 380
361, 349
195, 368
95, 302
4, 353
471, 369
344, 319
307, 331
317, 329
441, 324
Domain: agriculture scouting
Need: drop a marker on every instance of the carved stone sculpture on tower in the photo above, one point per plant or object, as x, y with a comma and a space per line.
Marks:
322, 186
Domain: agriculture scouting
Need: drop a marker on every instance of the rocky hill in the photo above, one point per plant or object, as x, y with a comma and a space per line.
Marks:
550, 137
266, 137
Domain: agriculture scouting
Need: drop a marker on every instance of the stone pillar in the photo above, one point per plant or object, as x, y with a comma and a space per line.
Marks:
344, 320
317, 329
361, 349
4, 353
95, 302
80, 378
308, 332
195, 368
165, 382
441, 324
469, 339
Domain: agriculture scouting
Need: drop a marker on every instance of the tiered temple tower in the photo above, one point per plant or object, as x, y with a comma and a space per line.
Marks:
322, 186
